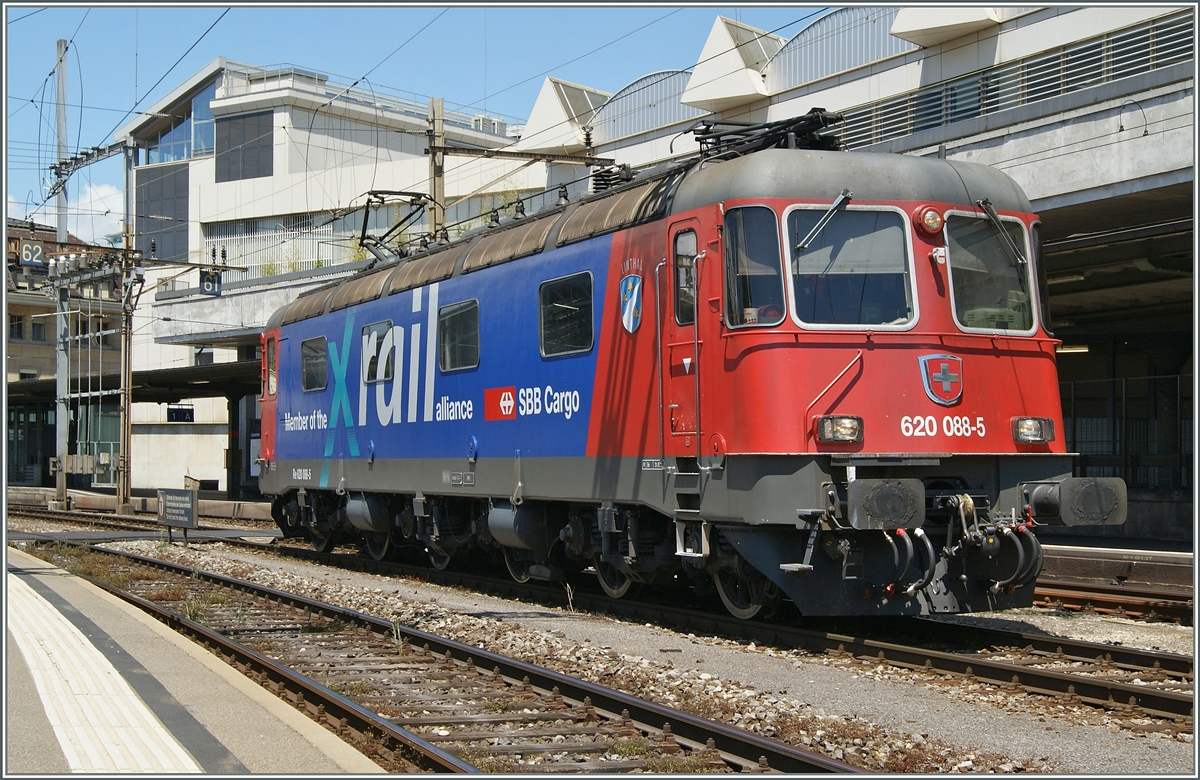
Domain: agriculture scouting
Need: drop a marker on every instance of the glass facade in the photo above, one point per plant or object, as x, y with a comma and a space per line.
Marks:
188, 136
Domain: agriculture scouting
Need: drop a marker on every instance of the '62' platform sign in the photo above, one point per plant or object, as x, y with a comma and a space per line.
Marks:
32, 253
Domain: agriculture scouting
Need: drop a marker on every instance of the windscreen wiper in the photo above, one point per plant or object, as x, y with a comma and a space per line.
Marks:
986, 205
824, 220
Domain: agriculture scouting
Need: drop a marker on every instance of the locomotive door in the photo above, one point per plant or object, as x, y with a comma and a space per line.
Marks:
268, 401
680, 348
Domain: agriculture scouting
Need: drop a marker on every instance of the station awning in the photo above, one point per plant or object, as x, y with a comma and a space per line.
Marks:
163, 385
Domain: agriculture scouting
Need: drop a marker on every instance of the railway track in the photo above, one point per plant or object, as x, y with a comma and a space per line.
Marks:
1139, 602
1132, 682
418, 702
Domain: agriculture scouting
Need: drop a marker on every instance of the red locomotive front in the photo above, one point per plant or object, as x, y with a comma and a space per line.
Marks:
853, 359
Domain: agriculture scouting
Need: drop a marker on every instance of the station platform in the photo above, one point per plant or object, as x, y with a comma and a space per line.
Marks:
102, 502
95, 685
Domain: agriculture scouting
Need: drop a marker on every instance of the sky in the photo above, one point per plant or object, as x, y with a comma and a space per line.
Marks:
123, 58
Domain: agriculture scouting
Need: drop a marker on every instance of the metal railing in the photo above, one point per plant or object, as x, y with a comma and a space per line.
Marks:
271, 247
237, 80
1161, 42
1137, 428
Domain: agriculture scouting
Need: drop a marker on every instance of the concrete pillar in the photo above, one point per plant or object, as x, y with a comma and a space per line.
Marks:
233, 457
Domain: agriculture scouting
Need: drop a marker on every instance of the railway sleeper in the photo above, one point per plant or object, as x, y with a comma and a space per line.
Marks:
531, 733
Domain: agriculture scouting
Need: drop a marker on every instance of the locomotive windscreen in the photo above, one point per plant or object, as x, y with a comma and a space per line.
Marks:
990, 286
855, 271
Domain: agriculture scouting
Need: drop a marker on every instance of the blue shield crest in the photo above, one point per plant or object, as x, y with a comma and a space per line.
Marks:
631, 302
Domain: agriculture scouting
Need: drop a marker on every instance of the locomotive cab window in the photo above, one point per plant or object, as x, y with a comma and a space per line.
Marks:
565, 315
753, 270
272, 369
685, 277
989, 276
378, 352
854, 272
458, 336
314, 364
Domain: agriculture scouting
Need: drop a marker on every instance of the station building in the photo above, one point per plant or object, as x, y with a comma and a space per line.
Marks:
265, 171
93, 315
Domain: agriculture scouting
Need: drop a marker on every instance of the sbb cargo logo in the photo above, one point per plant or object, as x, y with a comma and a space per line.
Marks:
500, 403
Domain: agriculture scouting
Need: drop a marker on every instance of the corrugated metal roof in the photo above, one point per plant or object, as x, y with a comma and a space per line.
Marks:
1157, 43
649, 103
845, 39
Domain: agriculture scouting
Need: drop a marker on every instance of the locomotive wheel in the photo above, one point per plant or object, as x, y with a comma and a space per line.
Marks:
379, 546
439, 558
745, 591
613, 581
321, 535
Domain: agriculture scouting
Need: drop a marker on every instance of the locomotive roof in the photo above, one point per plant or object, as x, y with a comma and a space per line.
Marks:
767, 173
821, 175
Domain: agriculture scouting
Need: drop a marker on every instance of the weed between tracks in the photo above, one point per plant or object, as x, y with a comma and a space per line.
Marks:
637, 748
168, 593
501, 705
356, 688
98, 566
487, 763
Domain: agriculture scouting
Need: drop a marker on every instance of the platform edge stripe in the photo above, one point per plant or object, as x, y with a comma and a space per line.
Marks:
76, 701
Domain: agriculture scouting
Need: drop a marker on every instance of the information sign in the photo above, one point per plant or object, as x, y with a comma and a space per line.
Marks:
177, 508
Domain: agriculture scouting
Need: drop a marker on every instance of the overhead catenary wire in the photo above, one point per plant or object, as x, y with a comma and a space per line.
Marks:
160, 80
574, 117
129, 112
462, 168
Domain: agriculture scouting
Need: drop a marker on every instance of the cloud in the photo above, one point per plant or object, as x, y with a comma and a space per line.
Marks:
96, 213
16, 209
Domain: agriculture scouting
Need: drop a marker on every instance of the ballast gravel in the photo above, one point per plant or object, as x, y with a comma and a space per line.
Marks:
877, 717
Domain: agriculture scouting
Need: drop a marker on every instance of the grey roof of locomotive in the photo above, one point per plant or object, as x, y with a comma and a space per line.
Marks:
801, 174
820, 175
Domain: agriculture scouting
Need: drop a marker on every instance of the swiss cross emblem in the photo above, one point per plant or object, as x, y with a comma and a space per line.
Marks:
943, 378
499, 403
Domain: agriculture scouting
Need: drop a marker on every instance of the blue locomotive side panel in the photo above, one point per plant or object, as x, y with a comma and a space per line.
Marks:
384, 393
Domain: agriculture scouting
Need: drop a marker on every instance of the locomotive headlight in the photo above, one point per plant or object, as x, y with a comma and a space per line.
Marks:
839, 429
1033, 430
929, 220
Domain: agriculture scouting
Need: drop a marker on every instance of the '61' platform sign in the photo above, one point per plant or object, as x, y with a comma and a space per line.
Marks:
210, 282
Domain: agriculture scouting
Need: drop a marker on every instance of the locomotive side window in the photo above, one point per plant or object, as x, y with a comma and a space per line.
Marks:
314, 364
458, 336
272, 368
990, 286
685, 277
378, 365
854, 271
565, 315
753, 271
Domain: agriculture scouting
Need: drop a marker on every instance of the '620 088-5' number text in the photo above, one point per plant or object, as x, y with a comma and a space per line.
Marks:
951, 426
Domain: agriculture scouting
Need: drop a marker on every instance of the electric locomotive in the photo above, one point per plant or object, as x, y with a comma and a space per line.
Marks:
779, 369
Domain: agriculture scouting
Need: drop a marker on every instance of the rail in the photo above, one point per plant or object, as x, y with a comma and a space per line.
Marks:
726, 739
